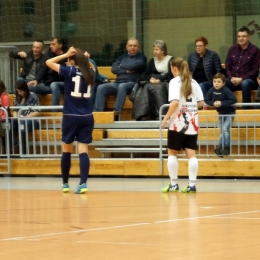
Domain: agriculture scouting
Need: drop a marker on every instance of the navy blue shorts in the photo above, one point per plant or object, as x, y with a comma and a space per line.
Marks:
177, 141
78, 128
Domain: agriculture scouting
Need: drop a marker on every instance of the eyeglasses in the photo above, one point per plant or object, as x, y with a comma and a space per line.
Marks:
198, 46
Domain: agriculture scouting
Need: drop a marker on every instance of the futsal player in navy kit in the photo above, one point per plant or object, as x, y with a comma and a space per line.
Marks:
77, 119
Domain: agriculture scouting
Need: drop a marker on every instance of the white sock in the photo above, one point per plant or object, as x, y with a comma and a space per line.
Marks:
173, 169
193, 170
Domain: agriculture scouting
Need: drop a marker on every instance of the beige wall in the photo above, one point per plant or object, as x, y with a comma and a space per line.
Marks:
180, 34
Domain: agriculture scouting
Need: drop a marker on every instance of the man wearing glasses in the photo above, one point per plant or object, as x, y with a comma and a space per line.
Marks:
242, 64
204, 64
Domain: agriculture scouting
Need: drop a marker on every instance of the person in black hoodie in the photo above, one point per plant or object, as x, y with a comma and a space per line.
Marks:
53, 79
222, 98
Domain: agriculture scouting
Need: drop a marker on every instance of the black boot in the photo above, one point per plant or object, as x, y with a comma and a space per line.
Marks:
226, 150
218, 151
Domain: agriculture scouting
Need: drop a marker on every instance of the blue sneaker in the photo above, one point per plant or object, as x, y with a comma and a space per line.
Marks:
81, 189
171, 188
65, 187
189, 189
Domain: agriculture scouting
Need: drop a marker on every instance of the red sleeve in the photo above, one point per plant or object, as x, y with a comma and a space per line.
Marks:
5, 101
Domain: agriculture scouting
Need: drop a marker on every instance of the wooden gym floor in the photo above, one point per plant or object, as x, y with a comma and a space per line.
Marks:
128, 218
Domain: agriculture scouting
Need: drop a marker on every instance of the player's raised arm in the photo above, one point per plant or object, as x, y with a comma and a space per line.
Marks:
53, 62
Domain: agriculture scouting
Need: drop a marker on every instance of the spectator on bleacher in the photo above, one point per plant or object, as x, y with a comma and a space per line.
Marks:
154, 84
4, 100
77, 119
257, 99
128, 68
5, 103
242, 63
99, 78
34, 68
204, 64
185, 96
24, 97
56, 81
222, 98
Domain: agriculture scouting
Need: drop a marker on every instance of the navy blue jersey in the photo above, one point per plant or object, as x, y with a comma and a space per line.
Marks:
76, 93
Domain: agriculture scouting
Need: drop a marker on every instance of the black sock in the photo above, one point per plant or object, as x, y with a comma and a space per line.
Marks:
84, 167
65, 166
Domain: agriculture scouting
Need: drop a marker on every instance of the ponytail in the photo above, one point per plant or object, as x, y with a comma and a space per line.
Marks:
185, 75
83, 63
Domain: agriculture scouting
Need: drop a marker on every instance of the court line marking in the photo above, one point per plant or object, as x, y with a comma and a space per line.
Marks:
126, 226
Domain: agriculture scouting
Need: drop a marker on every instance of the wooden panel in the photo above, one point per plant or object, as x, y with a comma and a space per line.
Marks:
204, 134
110, 102
135, 133
46, 100
207, 167
103, 117
99, 117
239, 95
55, 135
106, 71
249, 115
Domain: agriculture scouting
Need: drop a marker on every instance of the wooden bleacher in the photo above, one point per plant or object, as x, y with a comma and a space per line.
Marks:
142, 137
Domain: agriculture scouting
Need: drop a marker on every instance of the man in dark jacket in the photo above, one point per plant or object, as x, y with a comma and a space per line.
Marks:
128, 68
56, 81
34, 67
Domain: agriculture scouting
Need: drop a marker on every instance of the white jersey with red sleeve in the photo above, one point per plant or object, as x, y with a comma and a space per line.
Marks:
185, 117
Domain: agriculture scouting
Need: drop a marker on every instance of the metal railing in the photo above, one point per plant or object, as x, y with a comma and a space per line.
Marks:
9, 69
43, 140
244, 135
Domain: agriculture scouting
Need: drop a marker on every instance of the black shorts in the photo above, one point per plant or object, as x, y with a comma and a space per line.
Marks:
78, 128
177, 141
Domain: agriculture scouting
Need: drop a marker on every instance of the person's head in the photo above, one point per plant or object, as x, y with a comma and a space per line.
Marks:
180, 67
37, 48
2, 87
201, 44
132, 46
243, 36
219, 81
22, 90
81, 60
56, 45
159, 48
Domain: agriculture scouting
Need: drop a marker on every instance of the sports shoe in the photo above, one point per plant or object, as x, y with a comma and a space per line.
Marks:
171, 188
189, 189
81, 189
65, 187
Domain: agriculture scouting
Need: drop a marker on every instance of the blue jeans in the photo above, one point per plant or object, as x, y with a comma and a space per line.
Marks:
205, 86
225, 122
113, 88
26, 126
57, 88
93, 93
40, 89
246, 86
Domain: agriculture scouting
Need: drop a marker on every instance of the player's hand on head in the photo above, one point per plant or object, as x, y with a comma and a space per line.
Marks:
72, 51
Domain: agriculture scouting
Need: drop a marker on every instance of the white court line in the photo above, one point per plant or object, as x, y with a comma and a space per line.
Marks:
126, 226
